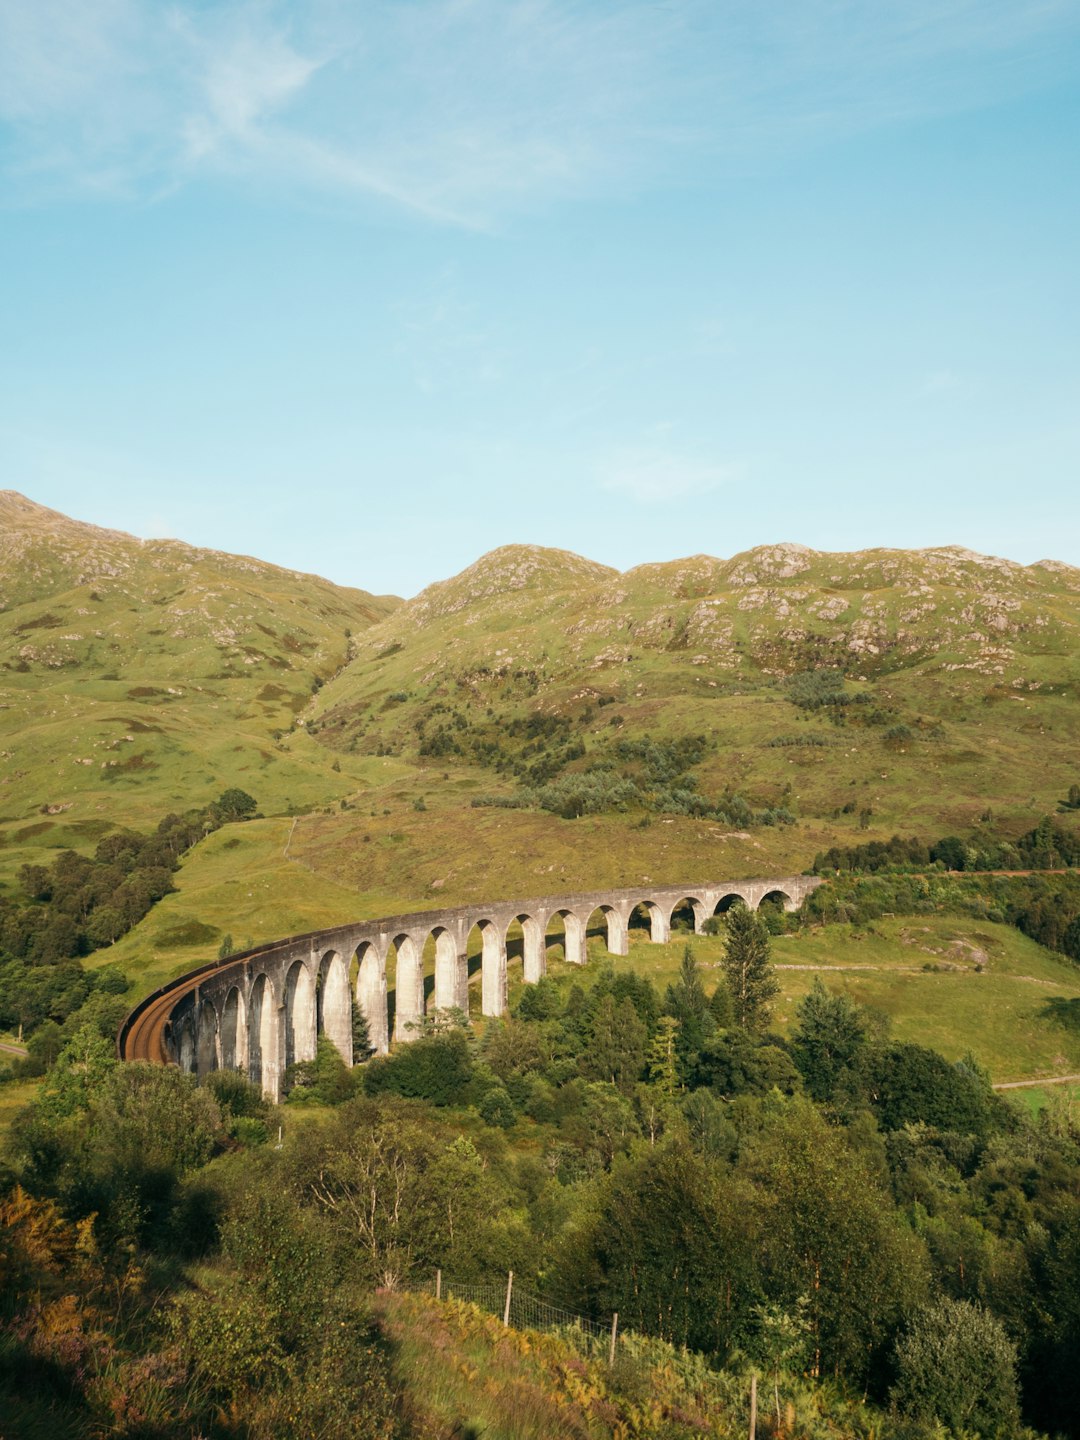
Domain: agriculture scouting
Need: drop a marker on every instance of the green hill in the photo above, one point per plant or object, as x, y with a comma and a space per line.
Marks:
702, 717
947, 680
141, 676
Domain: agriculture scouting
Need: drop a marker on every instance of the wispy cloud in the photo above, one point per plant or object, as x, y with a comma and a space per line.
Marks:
464, 110
651, 473
243, 79
938, 383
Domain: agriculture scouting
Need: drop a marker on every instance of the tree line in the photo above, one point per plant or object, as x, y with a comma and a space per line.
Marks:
81, 903
1048, 846
1045, 907
841, 1210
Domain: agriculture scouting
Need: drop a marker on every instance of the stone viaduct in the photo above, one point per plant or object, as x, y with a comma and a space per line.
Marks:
264, 1010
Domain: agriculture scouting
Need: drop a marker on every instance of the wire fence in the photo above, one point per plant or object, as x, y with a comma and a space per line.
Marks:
525, 1311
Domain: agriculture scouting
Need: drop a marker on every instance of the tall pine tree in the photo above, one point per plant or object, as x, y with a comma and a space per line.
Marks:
750, 976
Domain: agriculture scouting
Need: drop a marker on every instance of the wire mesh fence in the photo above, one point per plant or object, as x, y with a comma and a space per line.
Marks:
525, 1311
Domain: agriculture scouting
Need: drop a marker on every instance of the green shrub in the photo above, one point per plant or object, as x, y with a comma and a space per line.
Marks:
435, 1067
956, 1364
497, 1109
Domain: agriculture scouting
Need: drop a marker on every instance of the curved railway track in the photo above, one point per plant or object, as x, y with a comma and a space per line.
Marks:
142, 1034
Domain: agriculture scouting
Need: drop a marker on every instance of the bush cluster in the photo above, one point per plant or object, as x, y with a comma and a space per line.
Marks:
80, 903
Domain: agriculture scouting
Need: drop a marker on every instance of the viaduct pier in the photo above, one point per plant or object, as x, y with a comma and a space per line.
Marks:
263, 1010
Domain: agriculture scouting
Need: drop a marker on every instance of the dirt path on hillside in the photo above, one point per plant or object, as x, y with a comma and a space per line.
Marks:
1032, 1084
891, 969
13, 1050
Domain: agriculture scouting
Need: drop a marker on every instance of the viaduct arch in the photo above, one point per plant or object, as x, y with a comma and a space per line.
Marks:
260, 1011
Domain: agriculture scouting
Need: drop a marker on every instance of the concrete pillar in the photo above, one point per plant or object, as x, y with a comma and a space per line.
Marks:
699, 911
336, 1006
659, 927
233, 1032
618, 940
371, 997
493, 971
408, 989
185, 1048
207, 1055
300, 1017
574, 947
463, 980
265, 1038
448, 978
535, 962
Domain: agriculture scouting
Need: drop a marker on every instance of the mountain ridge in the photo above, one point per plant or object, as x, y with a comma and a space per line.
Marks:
942, 685
24, 523
752, 711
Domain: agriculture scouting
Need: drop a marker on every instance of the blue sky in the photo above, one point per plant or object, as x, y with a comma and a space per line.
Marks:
368, 289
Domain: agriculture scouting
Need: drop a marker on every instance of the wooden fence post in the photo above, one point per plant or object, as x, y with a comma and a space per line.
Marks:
509, 1292
614, 1334
753, 1406
438, 1284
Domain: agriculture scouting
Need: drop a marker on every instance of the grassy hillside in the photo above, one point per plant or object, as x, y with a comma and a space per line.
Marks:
141, 676
945, 982
144, 676
845, 696
953, 679
464, 1374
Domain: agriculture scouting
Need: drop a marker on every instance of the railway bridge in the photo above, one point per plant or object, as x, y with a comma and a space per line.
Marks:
263, 1010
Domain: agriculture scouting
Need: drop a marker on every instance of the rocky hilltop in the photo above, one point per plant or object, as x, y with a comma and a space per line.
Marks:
143, 673
976, 623
785, 696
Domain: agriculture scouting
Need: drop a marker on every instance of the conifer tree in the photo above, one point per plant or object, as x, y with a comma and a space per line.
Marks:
749, 972
720, 1007
616, 1045
663, 1059
830, 1034
687, 1003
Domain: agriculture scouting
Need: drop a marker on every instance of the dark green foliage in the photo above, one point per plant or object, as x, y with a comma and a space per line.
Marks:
31, 994
736, 1063
1049, 846
721, 1007
1064, 1012
115, 1140
542, 1001
645, 773
833, 1236
908, 1084
956, 1364
817, 689
496, 1108
1045, 907
400, 1194
616, 1041
666, 1248
361, 1038
1051, 1374
326, 1080
828, 1040
685, 1001
80, 903
437, 1068
237, 1097
234, 805
748, 970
